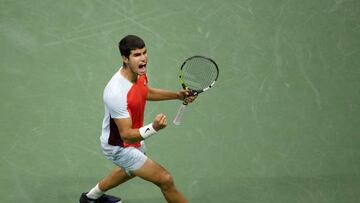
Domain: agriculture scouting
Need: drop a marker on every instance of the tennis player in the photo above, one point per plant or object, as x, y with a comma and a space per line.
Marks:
123, 131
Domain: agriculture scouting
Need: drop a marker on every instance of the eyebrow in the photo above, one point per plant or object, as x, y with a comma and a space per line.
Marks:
139, 53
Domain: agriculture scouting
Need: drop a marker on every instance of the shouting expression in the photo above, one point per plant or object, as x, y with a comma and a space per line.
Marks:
137, 61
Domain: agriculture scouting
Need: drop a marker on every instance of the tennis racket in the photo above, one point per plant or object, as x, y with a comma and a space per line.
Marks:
197, 74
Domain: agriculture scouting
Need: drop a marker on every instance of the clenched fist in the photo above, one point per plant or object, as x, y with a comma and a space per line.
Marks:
159, 122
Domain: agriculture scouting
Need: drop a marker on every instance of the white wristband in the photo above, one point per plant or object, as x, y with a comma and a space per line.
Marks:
147, 131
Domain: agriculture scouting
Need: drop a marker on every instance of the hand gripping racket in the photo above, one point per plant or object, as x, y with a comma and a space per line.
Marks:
197, 74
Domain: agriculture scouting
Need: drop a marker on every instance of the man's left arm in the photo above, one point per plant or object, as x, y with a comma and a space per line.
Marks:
155, 94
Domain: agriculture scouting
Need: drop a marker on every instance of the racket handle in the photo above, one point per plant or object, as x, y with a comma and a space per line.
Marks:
179, 114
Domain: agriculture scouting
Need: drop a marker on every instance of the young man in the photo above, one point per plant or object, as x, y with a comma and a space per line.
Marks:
123, 131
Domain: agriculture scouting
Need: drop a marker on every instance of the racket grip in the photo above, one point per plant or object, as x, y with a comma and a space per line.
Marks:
179, 114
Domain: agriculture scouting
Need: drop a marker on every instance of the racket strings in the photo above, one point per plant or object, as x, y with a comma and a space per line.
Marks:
199, 73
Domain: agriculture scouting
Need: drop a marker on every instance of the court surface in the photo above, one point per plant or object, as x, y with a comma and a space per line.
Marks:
280, 126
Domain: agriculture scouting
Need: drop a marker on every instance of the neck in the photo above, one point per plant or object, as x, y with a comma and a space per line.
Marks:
128, 74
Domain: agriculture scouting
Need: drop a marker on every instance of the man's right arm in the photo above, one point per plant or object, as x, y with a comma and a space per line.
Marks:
130, 135
127, 134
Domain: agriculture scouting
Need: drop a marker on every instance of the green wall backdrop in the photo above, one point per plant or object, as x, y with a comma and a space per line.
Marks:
281, 125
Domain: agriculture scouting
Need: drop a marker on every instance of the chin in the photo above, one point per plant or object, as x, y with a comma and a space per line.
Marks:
142, 73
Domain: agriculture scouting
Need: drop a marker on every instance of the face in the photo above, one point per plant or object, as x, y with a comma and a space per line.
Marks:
137, 61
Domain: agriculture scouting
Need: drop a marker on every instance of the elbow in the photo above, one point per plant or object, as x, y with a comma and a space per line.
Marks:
127, 137
127, 140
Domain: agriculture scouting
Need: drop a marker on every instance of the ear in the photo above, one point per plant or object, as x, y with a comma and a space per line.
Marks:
125, 59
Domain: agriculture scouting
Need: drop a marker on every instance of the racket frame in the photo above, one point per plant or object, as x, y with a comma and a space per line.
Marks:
182, 108
198, 91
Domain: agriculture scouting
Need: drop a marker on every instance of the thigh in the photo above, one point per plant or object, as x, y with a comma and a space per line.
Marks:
119, 174
151, 171
116, 177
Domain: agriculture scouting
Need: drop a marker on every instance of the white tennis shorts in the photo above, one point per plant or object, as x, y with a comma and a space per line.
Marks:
129, 158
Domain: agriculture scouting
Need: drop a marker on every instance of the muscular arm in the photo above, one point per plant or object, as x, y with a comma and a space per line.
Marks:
155, 94
127, 134
130, 135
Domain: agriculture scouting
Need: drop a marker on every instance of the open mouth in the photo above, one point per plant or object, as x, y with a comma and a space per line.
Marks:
141, 66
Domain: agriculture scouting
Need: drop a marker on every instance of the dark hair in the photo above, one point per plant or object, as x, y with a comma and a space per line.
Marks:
130, 42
